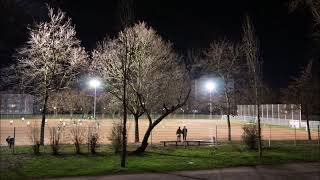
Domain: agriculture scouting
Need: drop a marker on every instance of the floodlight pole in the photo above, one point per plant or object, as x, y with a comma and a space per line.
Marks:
210, 104
95, 102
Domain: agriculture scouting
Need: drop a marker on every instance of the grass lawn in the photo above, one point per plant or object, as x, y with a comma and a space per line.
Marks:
157, 159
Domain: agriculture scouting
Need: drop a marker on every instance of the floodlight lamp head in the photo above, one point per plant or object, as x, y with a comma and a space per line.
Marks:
94, 83
210, 86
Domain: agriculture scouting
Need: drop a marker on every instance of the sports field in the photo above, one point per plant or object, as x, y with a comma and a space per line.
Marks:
198, 129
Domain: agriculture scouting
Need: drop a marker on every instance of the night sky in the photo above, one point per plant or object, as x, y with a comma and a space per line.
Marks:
285, 39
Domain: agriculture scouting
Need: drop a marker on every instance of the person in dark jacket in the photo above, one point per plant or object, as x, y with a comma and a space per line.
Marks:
10, 141
178, 133
184, 133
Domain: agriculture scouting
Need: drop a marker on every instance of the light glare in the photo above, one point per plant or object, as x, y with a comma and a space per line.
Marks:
94, 83
210, 86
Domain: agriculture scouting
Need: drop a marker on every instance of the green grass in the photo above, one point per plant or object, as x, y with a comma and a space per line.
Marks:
24, 165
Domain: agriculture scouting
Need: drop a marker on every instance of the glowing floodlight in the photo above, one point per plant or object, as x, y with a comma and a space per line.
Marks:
94, 83
210, 86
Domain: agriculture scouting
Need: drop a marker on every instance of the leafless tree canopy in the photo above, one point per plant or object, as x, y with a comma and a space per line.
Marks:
305, 90
152, 63
51, 58
251, 50
223, 60
65, 101
49, 61
155, 81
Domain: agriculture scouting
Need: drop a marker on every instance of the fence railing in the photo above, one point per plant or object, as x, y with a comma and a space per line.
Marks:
292, 123
106, 116
202, 129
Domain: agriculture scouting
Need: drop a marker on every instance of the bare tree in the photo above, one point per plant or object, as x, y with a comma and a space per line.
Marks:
77, 134
109, 104
251, 51
152, 74
55, 139
71, 99
222, 59
34, 136
126, 13
160, 83
50, 60
112, 60
304, 90
166, 90
55, 103
135, 109
84, 103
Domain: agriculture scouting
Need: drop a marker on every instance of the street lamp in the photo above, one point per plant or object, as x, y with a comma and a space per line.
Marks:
55, 111
94, 83
182, 113
210, 87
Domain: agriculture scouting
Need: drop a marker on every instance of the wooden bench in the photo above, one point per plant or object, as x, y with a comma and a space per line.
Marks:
187, 142
164, 142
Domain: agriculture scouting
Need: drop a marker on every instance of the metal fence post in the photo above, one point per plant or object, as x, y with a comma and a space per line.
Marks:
14, 139
262, 112
267, 113
216, 134
295, 135
272, 113
300, 107
278, 114
151, 139
318, 134
88, 139
269, 136
291, 111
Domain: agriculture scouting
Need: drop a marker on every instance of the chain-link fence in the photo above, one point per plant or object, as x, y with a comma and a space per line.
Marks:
199, 129
276, 114
106, 116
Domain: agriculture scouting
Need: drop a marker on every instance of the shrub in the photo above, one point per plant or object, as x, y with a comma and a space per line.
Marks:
250, 136
116, 137
55, 137
77, 133
34, 135
93, 140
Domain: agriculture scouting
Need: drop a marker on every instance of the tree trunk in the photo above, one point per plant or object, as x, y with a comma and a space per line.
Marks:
144, 143
257, 89
136, 129
308, 126
228, 117
124, 130
259, 132
43, 121
229, 127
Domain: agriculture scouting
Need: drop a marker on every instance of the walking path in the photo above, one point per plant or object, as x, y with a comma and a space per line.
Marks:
292, 171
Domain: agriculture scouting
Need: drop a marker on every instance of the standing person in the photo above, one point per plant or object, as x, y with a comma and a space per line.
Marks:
184, 133
178, 133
